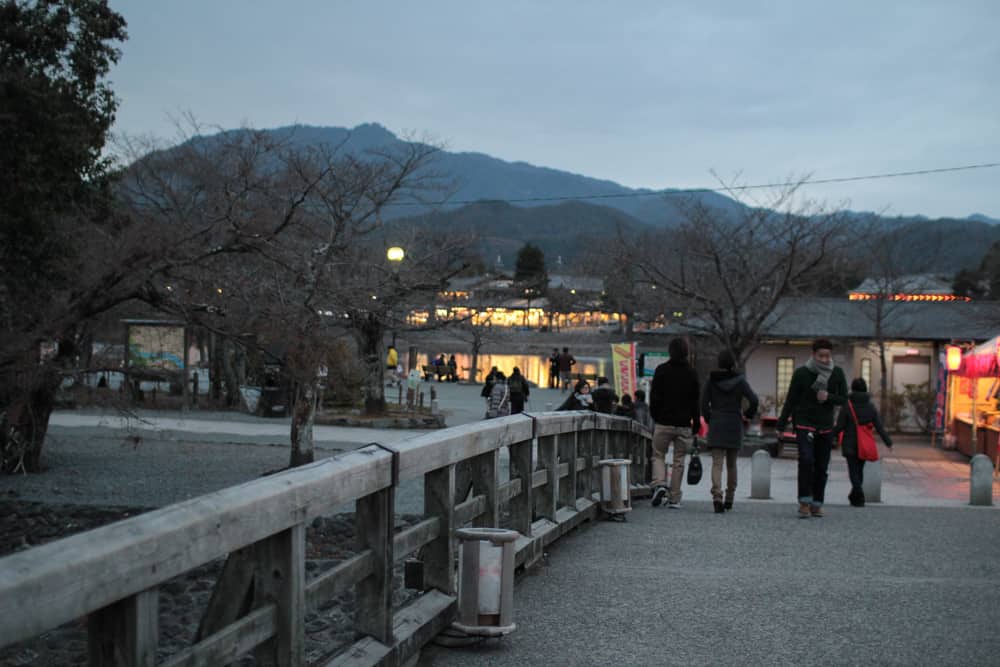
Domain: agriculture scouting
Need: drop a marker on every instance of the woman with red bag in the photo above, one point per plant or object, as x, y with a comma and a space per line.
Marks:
859, 414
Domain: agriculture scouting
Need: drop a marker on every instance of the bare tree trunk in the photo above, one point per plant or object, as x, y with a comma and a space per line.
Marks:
303, 418
477, 343
883, 382
232, 381
24, 424
369, 337
216, 366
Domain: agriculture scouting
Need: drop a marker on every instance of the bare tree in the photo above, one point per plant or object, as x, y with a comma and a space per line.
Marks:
306, 264
729, 270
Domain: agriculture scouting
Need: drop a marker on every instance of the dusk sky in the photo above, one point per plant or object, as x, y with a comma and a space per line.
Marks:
648, 94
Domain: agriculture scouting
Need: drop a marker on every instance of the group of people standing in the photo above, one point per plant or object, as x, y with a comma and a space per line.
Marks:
561, 368
505, 395
678, 403
604, 399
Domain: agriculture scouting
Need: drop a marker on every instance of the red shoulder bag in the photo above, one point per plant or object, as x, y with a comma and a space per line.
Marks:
867, 448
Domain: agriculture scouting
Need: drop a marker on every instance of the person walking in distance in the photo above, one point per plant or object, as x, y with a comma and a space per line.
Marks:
721, 406
864, 413
815, 390
554, 369
566, 363
519, 390
673, 404
642, 409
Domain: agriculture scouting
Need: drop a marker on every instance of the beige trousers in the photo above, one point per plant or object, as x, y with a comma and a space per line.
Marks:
729, 456
682, 439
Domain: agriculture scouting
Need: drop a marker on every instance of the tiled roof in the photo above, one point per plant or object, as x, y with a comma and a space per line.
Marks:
803, 318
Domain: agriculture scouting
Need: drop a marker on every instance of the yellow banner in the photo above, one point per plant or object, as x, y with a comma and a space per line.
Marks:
623, 361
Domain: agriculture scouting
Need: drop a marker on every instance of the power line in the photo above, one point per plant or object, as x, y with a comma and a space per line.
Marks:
703, 190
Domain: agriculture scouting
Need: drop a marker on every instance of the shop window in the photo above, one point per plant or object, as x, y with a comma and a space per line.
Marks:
866, 372
786, 366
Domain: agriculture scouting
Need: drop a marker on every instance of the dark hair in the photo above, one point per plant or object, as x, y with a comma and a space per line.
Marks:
640, 396
603, 380
501, 376
822, 344
859, 384
626, 399
678, 348
726, 360
565, 349
580, 384
516, 371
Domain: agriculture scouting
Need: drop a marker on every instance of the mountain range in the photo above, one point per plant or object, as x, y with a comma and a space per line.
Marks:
510, 203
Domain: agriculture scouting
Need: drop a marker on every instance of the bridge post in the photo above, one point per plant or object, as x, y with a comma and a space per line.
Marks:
280, 578
567, 454
374, 526
522, 505
980, 480
872, 484
126, 630
548, 495
586, 476
439, 492
760, 475
485, 471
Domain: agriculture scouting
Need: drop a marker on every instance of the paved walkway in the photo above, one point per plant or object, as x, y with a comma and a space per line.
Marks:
758, 586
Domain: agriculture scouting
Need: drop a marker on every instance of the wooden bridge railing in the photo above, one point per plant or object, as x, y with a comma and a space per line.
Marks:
112, 574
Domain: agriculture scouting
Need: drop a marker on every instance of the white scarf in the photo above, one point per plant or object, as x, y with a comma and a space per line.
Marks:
822, 371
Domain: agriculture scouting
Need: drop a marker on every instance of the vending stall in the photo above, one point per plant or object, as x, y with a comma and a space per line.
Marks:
974, 400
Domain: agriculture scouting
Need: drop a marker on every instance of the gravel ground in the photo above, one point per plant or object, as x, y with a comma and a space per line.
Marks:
102, 467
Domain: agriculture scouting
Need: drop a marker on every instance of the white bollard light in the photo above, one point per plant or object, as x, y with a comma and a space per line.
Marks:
760, 475
980, 480
486, 581
872, 483
616, 495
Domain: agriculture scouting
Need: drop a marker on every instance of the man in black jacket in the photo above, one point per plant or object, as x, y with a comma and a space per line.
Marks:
674, 406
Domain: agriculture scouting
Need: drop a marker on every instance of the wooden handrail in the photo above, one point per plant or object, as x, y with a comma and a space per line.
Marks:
89, 573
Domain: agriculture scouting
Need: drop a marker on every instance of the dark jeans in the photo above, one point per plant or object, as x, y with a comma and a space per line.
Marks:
814, 461
516, 403
856, 469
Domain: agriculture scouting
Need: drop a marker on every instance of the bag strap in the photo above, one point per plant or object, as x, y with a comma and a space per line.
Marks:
853, 413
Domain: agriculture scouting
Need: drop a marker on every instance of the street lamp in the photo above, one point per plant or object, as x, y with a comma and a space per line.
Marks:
395, 254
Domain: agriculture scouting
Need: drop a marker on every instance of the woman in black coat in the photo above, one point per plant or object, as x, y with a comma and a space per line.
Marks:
867, 414
722, 407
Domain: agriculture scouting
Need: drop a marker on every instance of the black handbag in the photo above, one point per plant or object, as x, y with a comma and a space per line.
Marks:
694, 468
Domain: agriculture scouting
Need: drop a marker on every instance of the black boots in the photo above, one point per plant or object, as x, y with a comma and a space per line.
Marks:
856, 498
728, 505
717, 504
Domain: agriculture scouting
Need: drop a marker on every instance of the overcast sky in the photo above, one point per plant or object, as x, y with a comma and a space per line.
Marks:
648, 94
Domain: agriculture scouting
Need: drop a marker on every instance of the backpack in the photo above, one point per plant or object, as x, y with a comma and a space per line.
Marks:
516, 385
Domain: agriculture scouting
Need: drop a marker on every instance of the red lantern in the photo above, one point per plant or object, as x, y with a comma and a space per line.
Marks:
954, 358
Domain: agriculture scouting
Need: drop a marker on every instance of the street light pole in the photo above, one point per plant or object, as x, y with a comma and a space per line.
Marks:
395, 255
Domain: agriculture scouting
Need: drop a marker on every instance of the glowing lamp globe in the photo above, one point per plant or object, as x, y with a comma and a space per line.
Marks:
954, 357
395, 254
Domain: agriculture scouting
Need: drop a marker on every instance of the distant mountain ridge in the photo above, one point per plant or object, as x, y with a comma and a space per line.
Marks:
511, 203
483, 177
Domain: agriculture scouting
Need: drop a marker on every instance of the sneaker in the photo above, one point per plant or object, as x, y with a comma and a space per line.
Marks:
804, 510
717, 504
817, 511
674, 506
658, 495
728, 505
